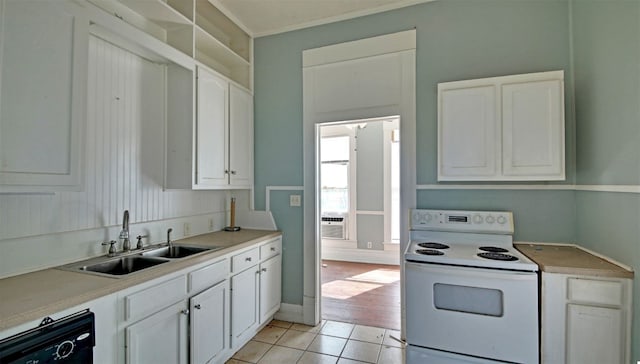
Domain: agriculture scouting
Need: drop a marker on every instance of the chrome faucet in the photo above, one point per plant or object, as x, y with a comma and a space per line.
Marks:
169, 237
124, 234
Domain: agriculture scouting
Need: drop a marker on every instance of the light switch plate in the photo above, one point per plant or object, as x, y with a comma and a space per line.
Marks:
295, 200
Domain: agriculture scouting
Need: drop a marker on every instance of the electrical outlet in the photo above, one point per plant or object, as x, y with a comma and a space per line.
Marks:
186, 229
369, 245
295, 200
211, 227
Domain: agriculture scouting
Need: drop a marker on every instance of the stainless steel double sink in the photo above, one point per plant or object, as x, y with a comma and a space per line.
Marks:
132, 262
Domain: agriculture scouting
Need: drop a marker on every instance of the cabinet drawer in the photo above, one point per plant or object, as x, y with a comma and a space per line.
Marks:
595, 291
270, 249
153, 299
245, 260
208, 276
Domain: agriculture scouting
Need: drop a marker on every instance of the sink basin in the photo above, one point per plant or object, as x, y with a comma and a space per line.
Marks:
123, 265
176, 251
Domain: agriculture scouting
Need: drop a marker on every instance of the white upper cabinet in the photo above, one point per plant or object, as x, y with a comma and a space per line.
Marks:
468, 132
224, 133
241, 137
44, 48
212, 130
507, 128
214, 150
533, 129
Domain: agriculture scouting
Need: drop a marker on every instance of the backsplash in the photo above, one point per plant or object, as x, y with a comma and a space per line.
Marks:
123, 168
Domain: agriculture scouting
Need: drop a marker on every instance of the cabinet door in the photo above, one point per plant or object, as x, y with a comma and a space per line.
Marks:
160, 338
533, 130
467, 128
270, 287
44, 47
594, 335
212, 149
244, 304
241, 137
209, 323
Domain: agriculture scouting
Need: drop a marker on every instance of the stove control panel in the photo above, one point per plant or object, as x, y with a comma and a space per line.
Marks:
489, 222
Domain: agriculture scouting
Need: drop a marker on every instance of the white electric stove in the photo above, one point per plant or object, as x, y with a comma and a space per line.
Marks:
465, 238
470, 295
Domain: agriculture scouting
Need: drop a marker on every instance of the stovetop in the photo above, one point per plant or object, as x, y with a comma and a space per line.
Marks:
481, 239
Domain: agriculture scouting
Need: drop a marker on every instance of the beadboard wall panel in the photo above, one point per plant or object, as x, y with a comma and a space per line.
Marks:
124, 157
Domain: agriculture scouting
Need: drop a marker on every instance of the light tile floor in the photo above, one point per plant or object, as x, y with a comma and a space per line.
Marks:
331, 342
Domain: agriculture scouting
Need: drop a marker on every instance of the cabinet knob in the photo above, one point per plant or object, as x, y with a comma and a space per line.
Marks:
185, 312
233, 172
197, 307
273, 249
264, 269
226, 171
248, 259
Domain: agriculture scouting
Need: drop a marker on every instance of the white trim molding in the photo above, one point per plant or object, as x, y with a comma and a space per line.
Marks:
572, 187
366, 212
363, 48
290, 313
609, 188
268, 189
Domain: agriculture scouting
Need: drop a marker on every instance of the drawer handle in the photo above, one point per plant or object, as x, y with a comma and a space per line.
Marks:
185, 312
264, 269
273, 249
197, 307
247, 259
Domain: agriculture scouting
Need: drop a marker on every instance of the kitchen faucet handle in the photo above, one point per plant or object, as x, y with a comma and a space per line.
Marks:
112, 247
139, 244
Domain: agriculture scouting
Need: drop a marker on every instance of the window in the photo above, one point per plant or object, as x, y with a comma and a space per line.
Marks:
334, 157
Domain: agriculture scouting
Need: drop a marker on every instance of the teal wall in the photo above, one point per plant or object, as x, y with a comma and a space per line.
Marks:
606, 47
455, 40
461, 39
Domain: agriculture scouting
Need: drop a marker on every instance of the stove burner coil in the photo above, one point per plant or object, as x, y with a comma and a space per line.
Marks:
493, 249
429, 252
497, 256
433, 245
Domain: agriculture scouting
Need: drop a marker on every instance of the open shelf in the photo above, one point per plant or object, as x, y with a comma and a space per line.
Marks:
162, 13
194, 27
213, 21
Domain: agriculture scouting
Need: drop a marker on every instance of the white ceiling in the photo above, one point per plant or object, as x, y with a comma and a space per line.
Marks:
266, 17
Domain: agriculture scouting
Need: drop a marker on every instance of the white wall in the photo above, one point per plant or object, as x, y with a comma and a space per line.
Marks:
124, 157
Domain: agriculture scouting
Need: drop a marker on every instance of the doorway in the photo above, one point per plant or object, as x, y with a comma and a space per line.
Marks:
359, 194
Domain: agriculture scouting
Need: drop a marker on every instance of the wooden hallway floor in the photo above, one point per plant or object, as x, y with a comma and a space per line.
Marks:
360, 293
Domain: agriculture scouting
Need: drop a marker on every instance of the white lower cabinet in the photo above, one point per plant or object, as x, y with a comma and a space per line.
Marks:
159, 338
585, 319
256, 292
270, 287
244, 305
210, 323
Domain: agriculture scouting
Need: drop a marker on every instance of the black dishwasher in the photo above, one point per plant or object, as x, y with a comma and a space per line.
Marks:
68, 340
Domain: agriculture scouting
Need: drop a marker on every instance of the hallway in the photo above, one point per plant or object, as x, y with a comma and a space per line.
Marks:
359, 293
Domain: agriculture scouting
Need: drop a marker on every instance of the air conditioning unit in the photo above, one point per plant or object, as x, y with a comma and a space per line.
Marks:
333, 227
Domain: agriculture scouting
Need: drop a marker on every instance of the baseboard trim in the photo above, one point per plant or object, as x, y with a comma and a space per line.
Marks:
289, 312
390, 257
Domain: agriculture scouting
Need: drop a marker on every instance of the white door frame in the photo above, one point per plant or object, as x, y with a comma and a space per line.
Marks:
403, 45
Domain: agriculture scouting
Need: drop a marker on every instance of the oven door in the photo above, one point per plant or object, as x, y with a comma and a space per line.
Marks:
481, 312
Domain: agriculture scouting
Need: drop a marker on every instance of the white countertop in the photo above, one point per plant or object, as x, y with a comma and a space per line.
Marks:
32, 296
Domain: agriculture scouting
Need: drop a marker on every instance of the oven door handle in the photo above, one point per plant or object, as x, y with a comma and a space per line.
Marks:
471, 271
